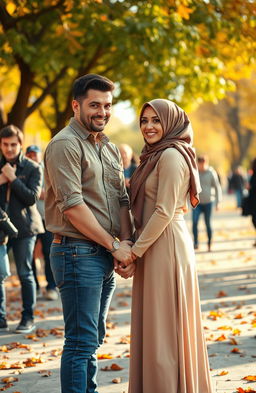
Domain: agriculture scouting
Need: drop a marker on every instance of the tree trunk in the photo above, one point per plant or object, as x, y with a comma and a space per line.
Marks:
18, 114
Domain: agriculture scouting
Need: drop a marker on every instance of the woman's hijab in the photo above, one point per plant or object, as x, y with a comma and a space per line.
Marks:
177, 133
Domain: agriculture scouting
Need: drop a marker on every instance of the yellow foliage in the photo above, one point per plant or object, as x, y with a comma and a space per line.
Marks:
184, 12
11, 7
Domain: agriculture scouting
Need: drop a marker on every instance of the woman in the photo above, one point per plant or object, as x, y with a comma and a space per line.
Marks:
168, 352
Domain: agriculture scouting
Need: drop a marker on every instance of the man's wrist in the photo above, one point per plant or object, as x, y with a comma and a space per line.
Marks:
115, 245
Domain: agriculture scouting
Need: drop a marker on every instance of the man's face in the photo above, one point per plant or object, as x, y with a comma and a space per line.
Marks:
10, 148
94, 111
35, 156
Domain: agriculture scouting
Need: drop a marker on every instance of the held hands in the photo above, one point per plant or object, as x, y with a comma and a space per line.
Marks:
124, 253
123, 260
9, 172
125, 272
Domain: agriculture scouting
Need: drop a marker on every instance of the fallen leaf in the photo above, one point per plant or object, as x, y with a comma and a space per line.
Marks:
9, 379
104, 356
225, 328
223, 373
221, 294
250, 378
116, 367
116, 380
235, 350
232, 341
221, 338
236, 332
45, 373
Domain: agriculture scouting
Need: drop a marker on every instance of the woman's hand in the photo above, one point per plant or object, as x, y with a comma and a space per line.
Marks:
124, 271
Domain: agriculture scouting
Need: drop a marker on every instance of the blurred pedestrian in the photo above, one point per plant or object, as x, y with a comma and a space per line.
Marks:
34, 153
252, 195
237, 184
210, 195
20, 187
129, 163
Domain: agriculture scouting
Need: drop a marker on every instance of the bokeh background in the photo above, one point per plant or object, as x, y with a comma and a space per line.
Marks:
199, 53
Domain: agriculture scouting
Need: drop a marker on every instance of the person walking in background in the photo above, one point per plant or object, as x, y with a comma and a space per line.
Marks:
237, 184
34, 153
168, 352
211, 194
129, 163
87, 210
252, 195
20, 187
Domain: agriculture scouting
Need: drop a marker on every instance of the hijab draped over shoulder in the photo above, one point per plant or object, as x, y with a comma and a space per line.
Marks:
177, 133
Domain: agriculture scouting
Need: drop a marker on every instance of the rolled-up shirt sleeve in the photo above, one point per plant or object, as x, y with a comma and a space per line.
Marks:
66, 175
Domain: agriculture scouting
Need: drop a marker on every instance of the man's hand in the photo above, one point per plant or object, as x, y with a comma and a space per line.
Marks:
125, 272
3, 179
124, 254
9, 172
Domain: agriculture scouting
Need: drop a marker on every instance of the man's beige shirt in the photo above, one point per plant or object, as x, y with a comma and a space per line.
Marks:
76, 173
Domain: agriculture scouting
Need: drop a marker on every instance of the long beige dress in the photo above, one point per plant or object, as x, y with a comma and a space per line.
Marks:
168, 352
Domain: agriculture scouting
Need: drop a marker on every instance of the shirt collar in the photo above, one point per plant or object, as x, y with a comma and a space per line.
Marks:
84, 133
19, 160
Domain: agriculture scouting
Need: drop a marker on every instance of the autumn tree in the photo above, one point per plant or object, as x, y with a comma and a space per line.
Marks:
232, 121
171, 48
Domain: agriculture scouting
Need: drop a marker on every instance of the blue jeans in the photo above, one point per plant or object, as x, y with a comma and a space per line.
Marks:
83, 271
23, 253
239, 197
206, 209
4, 273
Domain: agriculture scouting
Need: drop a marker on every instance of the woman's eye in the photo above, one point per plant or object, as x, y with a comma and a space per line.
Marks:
156, 120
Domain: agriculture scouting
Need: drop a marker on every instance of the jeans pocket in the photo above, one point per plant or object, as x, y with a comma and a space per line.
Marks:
57, 259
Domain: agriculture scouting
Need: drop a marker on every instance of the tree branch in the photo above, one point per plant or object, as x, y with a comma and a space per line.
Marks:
9, 22
45, 92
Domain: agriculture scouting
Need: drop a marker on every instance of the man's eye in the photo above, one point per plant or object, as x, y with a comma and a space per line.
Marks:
108, 106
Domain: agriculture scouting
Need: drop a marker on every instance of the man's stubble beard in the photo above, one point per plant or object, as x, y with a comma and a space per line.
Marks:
90, 127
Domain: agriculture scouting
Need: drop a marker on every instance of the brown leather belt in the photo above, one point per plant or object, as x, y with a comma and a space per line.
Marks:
57, 238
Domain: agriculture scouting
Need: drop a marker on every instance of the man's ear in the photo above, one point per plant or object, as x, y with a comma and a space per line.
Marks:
75, 106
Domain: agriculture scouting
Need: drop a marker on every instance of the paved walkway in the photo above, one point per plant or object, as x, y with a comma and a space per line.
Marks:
227, 278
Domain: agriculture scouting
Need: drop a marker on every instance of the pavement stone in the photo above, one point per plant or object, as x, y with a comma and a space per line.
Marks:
227, 278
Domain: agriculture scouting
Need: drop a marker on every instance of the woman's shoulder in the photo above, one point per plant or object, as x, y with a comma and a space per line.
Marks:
171, 158
172, 154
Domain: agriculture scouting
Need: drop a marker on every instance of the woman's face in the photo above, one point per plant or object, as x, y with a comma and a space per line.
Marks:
150, 126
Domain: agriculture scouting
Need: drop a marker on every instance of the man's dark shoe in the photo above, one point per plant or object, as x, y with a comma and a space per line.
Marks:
3, 324
25, 326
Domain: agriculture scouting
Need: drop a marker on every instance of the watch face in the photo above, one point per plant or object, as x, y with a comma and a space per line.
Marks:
116, 244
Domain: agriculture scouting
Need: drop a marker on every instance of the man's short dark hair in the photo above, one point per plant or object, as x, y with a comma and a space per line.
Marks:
11, 130
91, 81
202, 159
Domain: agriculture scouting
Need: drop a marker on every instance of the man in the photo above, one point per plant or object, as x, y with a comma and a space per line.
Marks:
86, 209
20, 187
211, 192
129, 163
34, 153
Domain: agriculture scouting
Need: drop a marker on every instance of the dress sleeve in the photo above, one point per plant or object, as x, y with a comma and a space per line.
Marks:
171, 169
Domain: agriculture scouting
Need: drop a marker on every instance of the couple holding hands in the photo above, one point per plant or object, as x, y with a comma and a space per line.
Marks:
87, 209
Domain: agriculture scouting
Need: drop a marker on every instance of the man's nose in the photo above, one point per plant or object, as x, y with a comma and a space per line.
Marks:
102, 111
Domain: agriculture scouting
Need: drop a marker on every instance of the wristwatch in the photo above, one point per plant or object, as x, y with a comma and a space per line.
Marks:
115, 245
